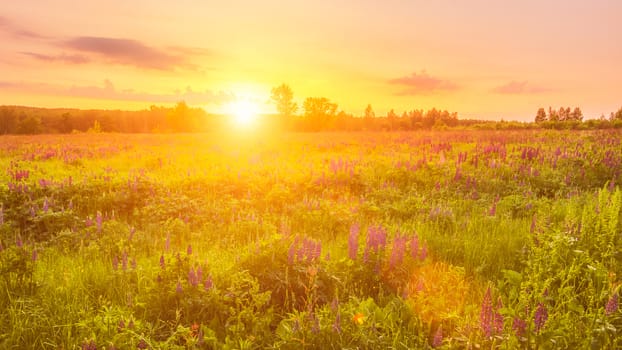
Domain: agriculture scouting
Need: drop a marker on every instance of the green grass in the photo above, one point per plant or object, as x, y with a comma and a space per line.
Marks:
250, 216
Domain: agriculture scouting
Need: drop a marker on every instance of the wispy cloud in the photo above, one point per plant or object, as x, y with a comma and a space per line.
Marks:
18, 32
108, 92
519, 88
76, 59
423, 84
128, 52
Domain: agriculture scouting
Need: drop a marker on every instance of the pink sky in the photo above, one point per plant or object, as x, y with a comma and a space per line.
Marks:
483, 59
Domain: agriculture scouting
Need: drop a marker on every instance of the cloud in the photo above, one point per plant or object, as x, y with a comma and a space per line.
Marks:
423, 84
128, 52
519, 88
18, 32
109, 92
75, 59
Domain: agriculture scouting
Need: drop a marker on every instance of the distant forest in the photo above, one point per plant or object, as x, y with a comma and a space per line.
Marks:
319, 115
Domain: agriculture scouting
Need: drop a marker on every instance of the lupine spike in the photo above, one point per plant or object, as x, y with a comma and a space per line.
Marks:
486, 314
612, 305
540, 317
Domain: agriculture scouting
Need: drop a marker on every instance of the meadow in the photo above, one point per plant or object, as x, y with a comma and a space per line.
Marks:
414, 240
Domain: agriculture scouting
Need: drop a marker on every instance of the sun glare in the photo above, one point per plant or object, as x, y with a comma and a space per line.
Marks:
244, 112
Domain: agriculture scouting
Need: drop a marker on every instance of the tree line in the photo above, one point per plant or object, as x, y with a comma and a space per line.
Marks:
316, 114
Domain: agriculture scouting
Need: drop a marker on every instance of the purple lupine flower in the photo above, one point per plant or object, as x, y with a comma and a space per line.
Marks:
486, 315
189, 250
46, 205
124, 261
115, 263
397, 252
33, 212
90, 345
612, 185
199, 273
133, 263
353, 241
178, 288
35, 255
19, 243
540, 317
498, 318
318, 250
612, 305
121, 326
98, 220
162, 264
130, 325
438, 337
167, 243
192, 278
519, 326
142, 344
1, 214
209, 283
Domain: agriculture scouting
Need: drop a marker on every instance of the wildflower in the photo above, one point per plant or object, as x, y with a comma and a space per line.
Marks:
358, 318
209, 283
612, 305
167, 243
1, 215
192, 278
35, 255
46, 205
397, 253
199, 273
115, 263
130, 325
133, 263
540, 317
90, 345
189, 250
438, 337
178, 288
353, 241
124, 261
486, 314
98, 220
121, 326
162, 264
519, 326
142, 344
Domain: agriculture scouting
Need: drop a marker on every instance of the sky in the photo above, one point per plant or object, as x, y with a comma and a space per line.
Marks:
484, 59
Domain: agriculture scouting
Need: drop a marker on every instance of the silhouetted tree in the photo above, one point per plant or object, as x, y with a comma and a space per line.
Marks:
553, 115
540, 115
576, 114
319, 112
282, 96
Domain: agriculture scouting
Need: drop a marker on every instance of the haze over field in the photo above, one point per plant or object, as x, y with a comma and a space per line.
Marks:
483, 59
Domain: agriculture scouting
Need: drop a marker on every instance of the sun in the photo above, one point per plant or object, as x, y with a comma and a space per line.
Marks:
244, 112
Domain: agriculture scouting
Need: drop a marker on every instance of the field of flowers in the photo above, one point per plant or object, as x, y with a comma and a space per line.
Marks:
474, 239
